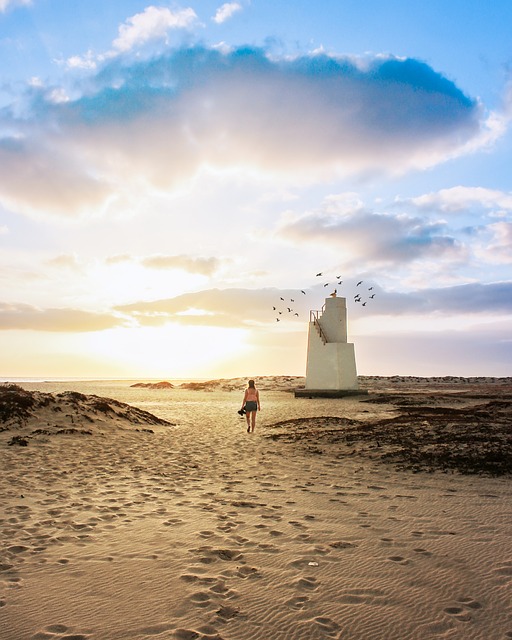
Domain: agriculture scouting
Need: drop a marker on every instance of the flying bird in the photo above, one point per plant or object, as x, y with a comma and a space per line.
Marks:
292, 300
370, 288
372, 296
318, 274
360, 282
326, 284
289, 310
274, 308
277, 320
281, 299
302, 291
296, 314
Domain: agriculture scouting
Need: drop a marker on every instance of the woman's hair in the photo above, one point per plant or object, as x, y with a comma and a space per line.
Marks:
251, 384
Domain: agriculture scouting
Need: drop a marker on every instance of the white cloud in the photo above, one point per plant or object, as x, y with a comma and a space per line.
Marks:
87, 61
462, 198
226, 11
215, 307
498, 250
6, 4
371, 238
202, 266
152, 24
28, 317
66, 261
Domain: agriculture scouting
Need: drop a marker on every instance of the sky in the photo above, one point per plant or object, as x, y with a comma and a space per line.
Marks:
174, 176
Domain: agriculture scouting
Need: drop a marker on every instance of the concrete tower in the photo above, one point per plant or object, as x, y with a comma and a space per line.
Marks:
331, 364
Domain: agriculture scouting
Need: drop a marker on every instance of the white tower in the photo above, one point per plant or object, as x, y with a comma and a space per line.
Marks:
331, 364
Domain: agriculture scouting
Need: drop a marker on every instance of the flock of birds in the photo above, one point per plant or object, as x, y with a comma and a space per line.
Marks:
284, 308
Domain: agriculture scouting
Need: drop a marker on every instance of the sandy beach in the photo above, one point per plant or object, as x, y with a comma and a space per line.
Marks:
384, 516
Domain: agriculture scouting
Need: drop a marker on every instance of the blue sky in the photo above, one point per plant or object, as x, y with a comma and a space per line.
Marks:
170, 171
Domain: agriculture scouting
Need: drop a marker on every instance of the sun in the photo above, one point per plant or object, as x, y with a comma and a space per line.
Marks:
172, 350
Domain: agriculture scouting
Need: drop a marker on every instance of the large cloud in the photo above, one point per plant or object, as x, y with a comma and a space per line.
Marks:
472, 298
370, 238
252, 308
28, 317
217, 307
158, 121
244, 307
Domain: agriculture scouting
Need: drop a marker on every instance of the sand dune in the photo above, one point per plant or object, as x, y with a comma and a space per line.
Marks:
153, 529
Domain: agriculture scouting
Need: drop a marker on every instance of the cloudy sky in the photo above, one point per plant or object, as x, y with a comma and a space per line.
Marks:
170, 173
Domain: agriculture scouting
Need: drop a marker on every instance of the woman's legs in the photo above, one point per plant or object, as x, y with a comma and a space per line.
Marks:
251, 420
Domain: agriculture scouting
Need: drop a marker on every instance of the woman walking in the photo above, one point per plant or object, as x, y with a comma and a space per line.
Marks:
251, 404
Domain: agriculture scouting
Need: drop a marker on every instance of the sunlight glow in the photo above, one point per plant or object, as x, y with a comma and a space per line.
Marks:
172, 351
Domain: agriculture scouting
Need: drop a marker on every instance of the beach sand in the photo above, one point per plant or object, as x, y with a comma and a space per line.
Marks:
324, 523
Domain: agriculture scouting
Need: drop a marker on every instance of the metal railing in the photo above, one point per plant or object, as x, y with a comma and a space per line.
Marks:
314, 318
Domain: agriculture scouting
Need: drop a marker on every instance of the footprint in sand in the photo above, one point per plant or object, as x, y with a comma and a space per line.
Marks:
226, 613
172, 522
248, 572
16, 549
459, 613
341, 544
240, 540
200, 599
470, 603
327, 625
363, 596
303, 536
59, 632
269, 548
399, 560
307, 582
300, 602
207, 555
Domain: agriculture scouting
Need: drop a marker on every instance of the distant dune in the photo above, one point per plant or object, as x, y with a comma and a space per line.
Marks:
154, 385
